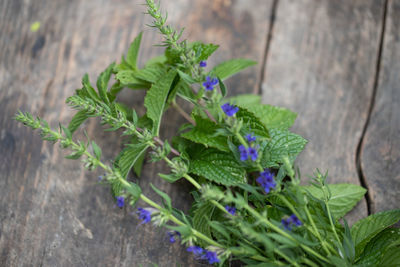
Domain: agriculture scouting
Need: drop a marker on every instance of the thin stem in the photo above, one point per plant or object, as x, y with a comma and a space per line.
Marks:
183, 113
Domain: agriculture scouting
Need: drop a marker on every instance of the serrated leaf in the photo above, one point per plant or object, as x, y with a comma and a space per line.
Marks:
129, 156
129, 79
77, 120
231, 67
376, 248
170, 178
87, 87
133, 51
202, 214
102, 82
135, 191
203, 51
252, 122
282, 144
344, 197
222, 87
151, 73
391, 258
156, 98
366, 229
274, 117
185, 91
217, 166
203, 133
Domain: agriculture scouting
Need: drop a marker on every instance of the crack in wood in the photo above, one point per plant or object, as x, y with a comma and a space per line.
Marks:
361, 176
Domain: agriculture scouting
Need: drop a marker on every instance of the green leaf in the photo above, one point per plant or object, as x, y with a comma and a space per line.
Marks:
391, 258
135, 191
186, 77
252, 122
156, 98
96, 150
170, 178
366, 229
231, 67
185, 91
344, 197
202, 214
129, 157
222, 87
164, 196
129, 79
204, 133
274, 117
77, 120
137, 166
203, 51
88, 89
217, 166
133, 51
375, 250
282, 144
102, 82
151, 73
245, 100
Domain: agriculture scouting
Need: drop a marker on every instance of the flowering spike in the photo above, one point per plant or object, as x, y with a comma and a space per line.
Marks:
203, 64
120, 201
229, 110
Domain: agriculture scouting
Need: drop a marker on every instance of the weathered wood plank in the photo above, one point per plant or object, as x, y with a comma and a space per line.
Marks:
321, 64
380, 151
53, 212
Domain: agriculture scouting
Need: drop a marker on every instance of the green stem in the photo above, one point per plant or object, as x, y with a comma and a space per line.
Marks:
331, 221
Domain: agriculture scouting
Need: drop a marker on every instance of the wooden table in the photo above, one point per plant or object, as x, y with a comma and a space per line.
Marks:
336, 63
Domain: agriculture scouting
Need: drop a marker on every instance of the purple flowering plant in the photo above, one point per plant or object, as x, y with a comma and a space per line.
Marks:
239, 161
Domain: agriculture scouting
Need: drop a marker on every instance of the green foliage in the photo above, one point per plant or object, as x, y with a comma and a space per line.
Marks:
282, 144
251, 123
366, 229
217, 166
204, 132
102, 83
228, 68
203, 51
156, 98
131, 156
343, 197
77, 120
133, 51
202, 213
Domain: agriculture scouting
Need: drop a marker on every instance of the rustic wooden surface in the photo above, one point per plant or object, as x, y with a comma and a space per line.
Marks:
319, 58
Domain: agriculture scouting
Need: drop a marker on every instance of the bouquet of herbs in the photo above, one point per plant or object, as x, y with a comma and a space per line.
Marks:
248, 204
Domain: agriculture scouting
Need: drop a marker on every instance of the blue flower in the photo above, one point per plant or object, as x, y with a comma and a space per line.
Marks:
266, 180
197, 251
252, 153
229, 110
243, 153
231, 210
203, 63
286, 224
211, 256
210, 83
120, 201
295, 220
173, 235
250, 138
144, 215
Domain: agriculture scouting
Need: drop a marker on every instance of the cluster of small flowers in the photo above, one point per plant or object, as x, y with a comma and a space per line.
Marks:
289, 222
229, 110
204, 254
266, 180
231, 210
250, 152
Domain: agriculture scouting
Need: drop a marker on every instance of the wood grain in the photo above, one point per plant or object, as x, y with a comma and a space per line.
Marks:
53, 212
380, 159
321, 64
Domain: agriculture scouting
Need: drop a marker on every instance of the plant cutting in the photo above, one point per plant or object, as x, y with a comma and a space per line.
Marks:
237, 153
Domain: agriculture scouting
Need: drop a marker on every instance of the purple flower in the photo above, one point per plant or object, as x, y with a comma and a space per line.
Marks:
252, 153
229, 110
266, 180
250, 138
203, 63
231, 210
295, 220
210, 83
120, 201
211, 256
243, 153
144, 215
286, 224
197, 251
172, 236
